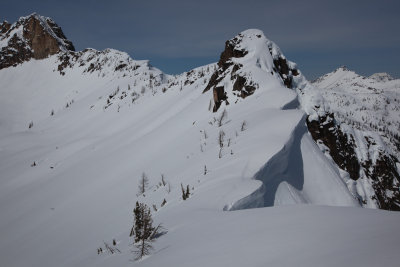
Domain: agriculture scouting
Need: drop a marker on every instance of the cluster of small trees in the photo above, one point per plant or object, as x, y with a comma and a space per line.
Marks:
69, 103
111, 249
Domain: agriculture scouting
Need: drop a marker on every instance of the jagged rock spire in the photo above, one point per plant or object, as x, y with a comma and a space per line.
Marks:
33, 36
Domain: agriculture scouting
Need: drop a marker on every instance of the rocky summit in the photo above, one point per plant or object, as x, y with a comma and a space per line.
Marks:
241, 162
33, 36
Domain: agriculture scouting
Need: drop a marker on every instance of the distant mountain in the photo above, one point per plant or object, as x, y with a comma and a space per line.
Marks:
78, 130
363, 112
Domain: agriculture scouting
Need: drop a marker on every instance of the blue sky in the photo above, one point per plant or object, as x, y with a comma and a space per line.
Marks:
319, 35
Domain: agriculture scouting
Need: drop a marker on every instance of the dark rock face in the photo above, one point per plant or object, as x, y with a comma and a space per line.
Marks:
341, 148
16, 52
41, 37
286, 73
230, 52
4, 27
219, 95
243, 86
383, 173
41, 41
223, 64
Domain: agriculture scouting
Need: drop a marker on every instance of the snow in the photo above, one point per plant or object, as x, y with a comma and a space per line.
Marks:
106, 131
367, 109
282, 236
381, 77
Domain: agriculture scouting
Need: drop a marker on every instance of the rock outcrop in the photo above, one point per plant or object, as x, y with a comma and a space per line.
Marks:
359, 131
230, 66
30, 37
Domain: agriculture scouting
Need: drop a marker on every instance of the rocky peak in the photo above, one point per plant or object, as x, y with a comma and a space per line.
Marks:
244, 55
342, 68
4, 27
33, 36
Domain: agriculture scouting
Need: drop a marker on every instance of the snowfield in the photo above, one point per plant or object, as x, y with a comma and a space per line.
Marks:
262, 192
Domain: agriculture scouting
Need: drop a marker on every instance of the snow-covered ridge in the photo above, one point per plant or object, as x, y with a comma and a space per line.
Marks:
106, 62
78, 130
366, 110
381, 77
369, 103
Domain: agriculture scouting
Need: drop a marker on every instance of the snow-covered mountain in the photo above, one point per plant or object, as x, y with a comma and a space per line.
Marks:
79, 129
33, 36
363, 112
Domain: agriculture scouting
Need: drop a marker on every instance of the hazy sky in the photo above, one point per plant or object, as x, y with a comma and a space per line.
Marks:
179, 35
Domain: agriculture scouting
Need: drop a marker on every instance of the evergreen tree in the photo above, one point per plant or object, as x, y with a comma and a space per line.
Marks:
143, 230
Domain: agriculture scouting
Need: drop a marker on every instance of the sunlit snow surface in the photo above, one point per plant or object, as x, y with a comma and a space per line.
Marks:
91, 153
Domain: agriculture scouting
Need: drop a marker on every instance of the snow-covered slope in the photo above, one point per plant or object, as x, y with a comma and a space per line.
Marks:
78, 129
370, 103
364, 113
252, 66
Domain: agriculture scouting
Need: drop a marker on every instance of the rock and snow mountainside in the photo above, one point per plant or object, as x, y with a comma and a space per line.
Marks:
33, 36
78, 130
360, 131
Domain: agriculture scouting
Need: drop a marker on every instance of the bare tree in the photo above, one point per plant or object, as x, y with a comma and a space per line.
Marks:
185, 194
143, 183
244, 125
111, 249
169, 188
221, 137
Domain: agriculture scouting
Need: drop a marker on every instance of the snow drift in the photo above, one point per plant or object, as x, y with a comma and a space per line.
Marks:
78, 129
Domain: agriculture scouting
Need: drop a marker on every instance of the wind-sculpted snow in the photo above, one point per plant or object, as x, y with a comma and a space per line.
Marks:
78, 130
298, 174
